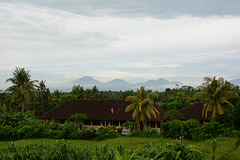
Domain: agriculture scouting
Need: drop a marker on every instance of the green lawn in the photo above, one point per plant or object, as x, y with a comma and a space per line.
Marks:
226, 146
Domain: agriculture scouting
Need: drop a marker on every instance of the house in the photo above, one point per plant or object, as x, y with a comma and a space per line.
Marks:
194, 112
99, 112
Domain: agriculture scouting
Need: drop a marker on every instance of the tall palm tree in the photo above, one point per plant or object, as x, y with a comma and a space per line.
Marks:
95, 92
142, 106
41, 88
23, 89
215, 93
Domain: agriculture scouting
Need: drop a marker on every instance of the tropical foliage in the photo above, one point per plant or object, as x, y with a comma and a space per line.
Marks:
215, 93
63, 151
142, 106
23, 89
78, 118
173, 114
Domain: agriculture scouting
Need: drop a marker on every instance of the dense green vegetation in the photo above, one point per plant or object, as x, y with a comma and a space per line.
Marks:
26, 99
227, 149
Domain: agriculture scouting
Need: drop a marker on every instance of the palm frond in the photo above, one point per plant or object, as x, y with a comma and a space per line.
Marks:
130, 107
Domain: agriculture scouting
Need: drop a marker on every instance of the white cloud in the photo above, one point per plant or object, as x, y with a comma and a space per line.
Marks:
56, 42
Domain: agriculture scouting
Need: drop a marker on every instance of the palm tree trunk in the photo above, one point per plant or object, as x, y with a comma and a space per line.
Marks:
42, 99
141, 126
22, 108
213, 158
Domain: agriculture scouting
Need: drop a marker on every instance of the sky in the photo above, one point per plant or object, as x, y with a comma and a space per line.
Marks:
135, 40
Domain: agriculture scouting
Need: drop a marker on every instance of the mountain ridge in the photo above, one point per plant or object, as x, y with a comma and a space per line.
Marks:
119, 84
235, 81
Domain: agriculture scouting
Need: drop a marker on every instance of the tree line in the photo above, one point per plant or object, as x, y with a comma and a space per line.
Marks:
220, 97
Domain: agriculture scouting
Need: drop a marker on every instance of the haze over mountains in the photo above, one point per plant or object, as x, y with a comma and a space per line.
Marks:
119, 84
235, 81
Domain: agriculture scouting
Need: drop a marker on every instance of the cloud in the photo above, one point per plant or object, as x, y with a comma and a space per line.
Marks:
60, 41
141, 8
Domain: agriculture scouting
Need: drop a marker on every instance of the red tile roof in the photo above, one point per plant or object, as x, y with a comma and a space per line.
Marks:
96, 110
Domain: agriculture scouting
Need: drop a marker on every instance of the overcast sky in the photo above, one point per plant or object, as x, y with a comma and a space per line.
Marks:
134, 40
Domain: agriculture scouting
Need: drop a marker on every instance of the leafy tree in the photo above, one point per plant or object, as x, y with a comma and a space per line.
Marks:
142, 106
57, 93
78, 118
182, 100
173, 114
78, 91
214, 92
64, 98
23, 89
130, 125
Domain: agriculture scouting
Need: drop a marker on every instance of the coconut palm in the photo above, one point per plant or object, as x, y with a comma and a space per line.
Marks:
41, 89
215, 93
142, 106
23, 89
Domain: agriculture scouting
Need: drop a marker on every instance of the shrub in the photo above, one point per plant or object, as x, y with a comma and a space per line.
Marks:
150, 133
111, 127
105, 134
25, 132
119, 129
7, 133
171, 129
67, 130
229, 132
146, 133
188, 128
55, 126
131, 125
76, 135
136, 133
212, 129
91, 134
38, 131
92, 127
100, 128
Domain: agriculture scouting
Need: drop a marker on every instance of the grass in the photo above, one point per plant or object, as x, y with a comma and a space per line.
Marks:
226, 150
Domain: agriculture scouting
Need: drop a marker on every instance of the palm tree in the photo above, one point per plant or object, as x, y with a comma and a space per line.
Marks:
23, 89
215, 92
95, 92
41, 88
142, 106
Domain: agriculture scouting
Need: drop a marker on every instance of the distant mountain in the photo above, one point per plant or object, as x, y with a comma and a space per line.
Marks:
159, 85
158, 82
87, 81
236, 81
119, 84
116, 85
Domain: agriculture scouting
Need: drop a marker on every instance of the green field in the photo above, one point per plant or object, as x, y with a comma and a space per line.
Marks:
226, 150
